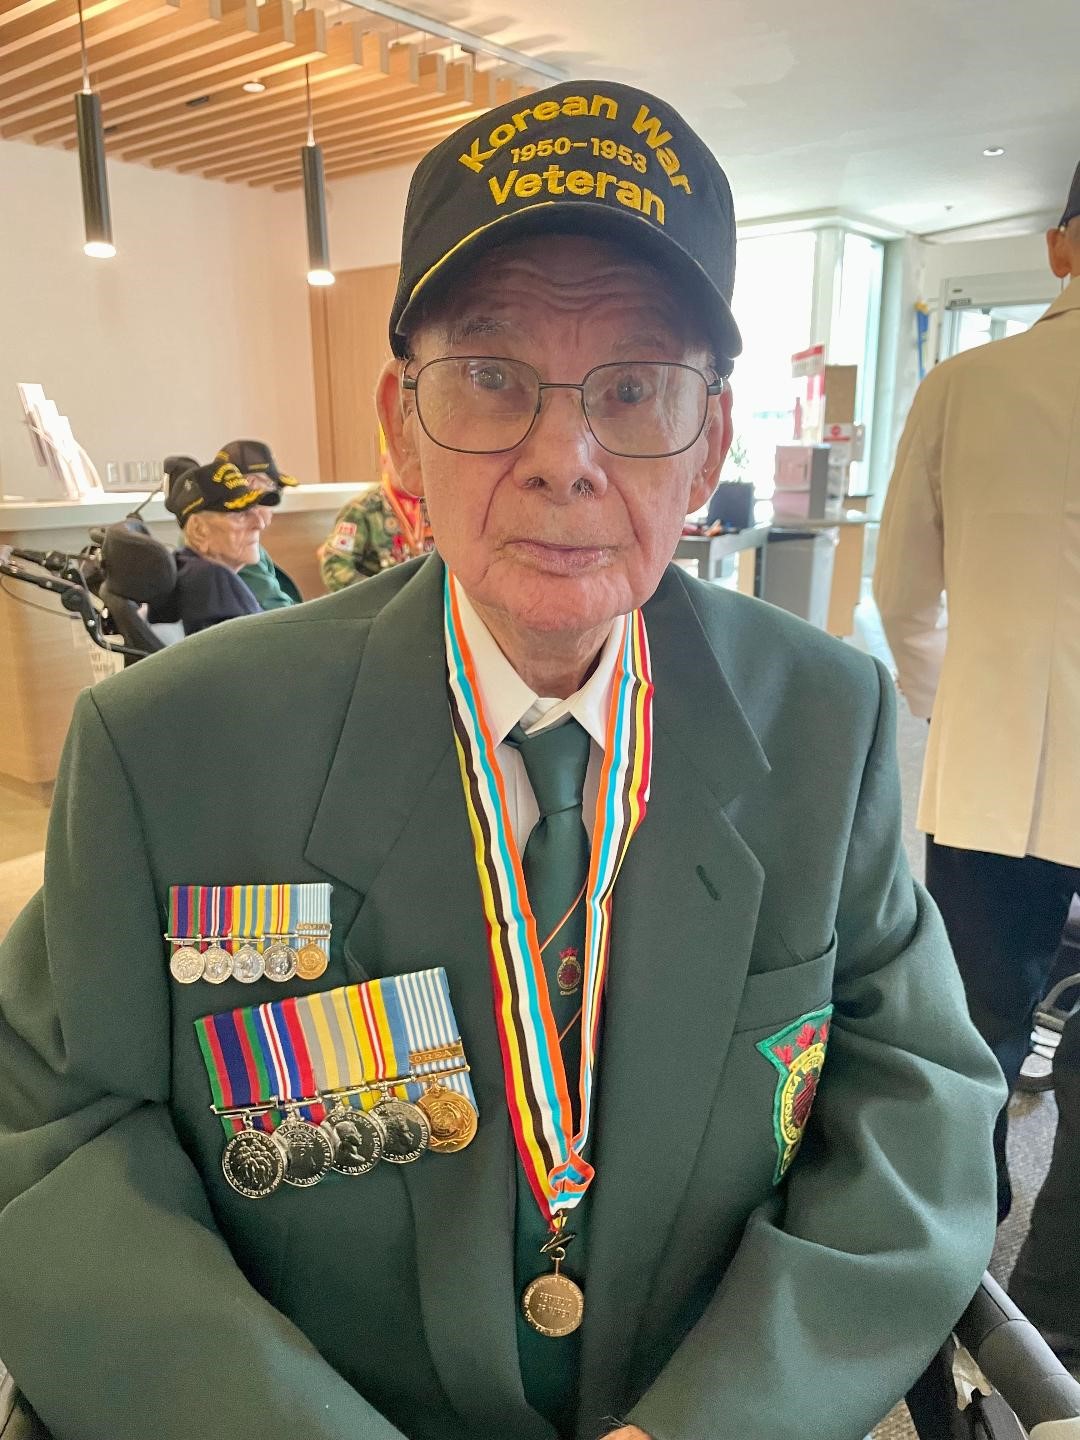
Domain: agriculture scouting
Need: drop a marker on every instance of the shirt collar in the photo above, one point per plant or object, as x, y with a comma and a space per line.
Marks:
508, 700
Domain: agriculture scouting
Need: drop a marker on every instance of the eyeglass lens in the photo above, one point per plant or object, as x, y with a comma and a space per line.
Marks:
635, 408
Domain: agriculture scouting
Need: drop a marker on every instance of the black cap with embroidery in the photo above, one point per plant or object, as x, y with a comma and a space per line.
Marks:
217, 486
1072, 205
585, 157
254, 457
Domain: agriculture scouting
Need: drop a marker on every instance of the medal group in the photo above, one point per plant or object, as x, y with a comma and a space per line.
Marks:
248, 932
333, 1081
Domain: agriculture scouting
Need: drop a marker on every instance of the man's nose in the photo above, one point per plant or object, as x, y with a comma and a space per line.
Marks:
560, 449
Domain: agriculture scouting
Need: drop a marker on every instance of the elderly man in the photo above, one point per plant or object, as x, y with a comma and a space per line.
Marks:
625, 845
271, 586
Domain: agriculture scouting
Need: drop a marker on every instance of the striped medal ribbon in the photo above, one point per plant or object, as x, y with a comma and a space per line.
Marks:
537, 1090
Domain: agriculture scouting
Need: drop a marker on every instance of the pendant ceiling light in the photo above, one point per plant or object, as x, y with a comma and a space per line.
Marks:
95, 186
319, 272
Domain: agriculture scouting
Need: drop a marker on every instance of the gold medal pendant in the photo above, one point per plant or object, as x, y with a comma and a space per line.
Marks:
553, 1304
451, 1117
311, 961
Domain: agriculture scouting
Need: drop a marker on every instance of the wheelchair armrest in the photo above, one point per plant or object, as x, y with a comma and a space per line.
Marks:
1019, 1364
17, 1420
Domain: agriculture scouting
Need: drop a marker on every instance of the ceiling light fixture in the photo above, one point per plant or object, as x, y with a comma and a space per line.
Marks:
253, 87
97, 218
311, 160
993, 151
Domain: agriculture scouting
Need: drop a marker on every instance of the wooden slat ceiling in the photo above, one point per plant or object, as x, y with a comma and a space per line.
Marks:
170, 72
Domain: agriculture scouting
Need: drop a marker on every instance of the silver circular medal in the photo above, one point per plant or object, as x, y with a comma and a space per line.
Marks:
406, 1132
247, 964
186, 964
253, 1165
307, 1151
217, 964
280, 962
357, 1140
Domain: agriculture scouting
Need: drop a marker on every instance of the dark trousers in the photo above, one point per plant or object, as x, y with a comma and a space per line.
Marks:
1005, 917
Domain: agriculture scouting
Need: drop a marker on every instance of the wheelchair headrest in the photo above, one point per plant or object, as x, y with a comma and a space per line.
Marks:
136, 566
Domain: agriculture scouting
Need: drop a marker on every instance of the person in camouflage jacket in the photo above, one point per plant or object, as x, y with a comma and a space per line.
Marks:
376, 530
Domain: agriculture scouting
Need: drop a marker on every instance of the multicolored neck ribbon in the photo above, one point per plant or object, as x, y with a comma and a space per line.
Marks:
239, 912
302, 1047
537, 1089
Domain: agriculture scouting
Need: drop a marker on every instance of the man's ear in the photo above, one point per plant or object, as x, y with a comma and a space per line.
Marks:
399, 424
718, 435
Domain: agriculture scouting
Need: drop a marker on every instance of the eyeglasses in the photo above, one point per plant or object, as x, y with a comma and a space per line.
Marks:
484, 404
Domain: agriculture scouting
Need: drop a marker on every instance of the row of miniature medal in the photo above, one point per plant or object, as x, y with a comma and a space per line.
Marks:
280, 961
349, 1141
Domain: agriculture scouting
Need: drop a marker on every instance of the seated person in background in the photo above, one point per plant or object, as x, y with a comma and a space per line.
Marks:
377, 529
270, 585
222, 517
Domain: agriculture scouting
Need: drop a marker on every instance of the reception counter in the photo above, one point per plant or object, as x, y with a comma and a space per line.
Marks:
45, 656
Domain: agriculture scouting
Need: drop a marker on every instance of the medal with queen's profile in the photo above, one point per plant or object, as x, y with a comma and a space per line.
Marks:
306, 1149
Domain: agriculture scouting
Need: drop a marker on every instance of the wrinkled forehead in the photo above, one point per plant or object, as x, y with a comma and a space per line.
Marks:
572, 277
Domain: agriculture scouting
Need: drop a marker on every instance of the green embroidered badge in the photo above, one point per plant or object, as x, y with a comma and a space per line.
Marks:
797, 1052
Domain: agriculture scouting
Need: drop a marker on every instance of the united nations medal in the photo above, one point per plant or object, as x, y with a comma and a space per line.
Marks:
253, 1165
217, 964
280, 961
451, 1117
311, 961
406, 1132
247, 964
357, 1140
553, 1305
186, 964
307, 1151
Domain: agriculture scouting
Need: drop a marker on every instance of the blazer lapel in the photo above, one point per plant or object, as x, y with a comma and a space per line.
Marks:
391, 825
685, 912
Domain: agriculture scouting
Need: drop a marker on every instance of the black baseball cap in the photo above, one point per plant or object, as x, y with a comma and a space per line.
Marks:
217, 486
584, 157
254, 457
1072, 205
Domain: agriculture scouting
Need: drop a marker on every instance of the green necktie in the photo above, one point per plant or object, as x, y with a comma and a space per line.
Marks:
556, 865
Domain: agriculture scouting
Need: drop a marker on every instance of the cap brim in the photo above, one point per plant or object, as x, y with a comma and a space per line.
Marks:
285, 479
584, 217
247, 499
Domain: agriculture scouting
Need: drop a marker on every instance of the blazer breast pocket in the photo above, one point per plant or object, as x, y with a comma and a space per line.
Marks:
772, 997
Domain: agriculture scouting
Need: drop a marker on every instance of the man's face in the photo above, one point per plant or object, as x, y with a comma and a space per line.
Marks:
557, 534
230, 538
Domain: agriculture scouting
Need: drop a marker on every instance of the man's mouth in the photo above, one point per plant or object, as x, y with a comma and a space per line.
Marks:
557, 558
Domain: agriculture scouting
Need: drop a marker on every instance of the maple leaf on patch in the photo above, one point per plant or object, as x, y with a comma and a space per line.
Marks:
784, 1053
805, 1036
824, 1031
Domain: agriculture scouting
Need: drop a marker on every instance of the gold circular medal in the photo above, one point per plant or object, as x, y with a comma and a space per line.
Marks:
553, 1304
451, 1117
311, 961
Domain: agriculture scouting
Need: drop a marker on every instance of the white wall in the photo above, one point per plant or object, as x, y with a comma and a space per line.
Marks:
197, 332
364, 215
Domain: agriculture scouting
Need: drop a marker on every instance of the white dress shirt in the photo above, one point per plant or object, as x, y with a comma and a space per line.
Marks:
508, 701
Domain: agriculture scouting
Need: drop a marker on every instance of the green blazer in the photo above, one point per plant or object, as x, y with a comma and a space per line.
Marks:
141, 1297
